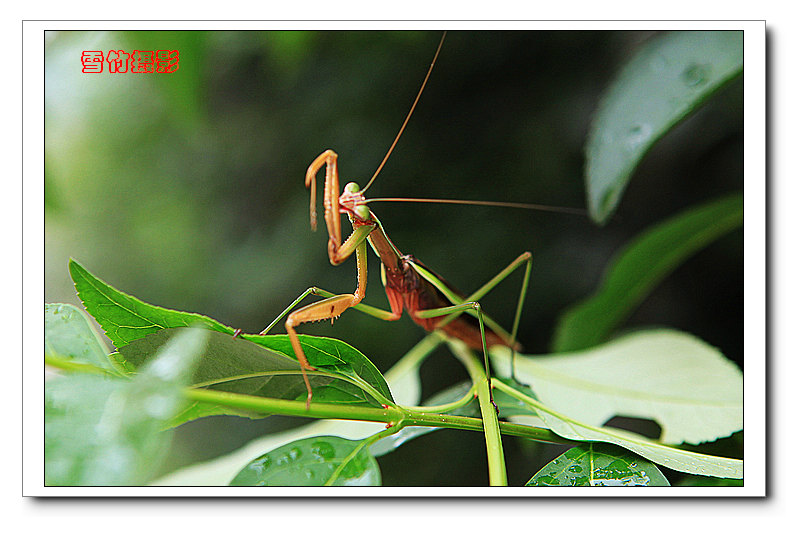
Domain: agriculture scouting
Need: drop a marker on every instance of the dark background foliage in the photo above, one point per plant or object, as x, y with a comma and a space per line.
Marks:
186, 190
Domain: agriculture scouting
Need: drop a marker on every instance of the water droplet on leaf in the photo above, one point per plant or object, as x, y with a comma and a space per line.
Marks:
323, 450
695, 75
637, 135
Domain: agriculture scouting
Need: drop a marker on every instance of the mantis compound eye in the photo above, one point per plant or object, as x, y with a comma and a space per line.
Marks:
352, 188
362, 211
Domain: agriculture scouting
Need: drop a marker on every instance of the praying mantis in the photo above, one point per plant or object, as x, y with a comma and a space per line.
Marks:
410, 286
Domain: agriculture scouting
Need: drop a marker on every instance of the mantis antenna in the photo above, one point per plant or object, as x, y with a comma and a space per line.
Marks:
514, 205
407, 118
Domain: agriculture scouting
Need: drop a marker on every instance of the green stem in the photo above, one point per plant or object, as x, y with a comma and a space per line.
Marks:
492, 429
398, 416
68, 365
270, 405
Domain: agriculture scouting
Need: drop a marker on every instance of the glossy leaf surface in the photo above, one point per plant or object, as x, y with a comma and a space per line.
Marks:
316, 461
125, 318
670, 77
671, 457
249, 364
599, 465
688, 387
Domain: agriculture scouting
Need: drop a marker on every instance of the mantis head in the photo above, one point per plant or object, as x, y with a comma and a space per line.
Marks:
353, 202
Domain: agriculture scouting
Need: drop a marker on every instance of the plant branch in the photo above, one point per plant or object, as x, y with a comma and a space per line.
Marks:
393, 414
65, 364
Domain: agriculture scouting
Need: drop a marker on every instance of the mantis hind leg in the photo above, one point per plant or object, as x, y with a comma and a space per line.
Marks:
475, 309
452, 313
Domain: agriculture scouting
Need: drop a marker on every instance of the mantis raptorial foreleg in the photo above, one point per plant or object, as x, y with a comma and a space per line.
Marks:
330, 308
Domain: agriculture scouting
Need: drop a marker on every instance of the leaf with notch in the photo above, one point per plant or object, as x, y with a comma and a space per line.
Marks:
669, 456
687, 386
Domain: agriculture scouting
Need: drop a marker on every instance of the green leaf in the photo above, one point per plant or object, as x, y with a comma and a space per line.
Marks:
599, 465
68, 334
671, 457
404, 381
241, 366
640, 266
235, 364
511, 406
107, 430
688, 387
125, 318
330, 355
121, 364
670, 77
317, 461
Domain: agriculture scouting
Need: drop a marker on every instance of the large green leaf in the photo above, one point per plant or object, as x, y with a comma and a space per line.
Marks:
125, 318
68, 334
240, 366
316, 461
102, 430
641, 266
670, 77
671, 457
404, 381
688, 387
599, 465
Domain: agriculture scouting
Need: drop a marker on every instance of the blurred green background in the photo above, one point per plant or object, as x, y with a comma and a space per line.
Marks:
186, 190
